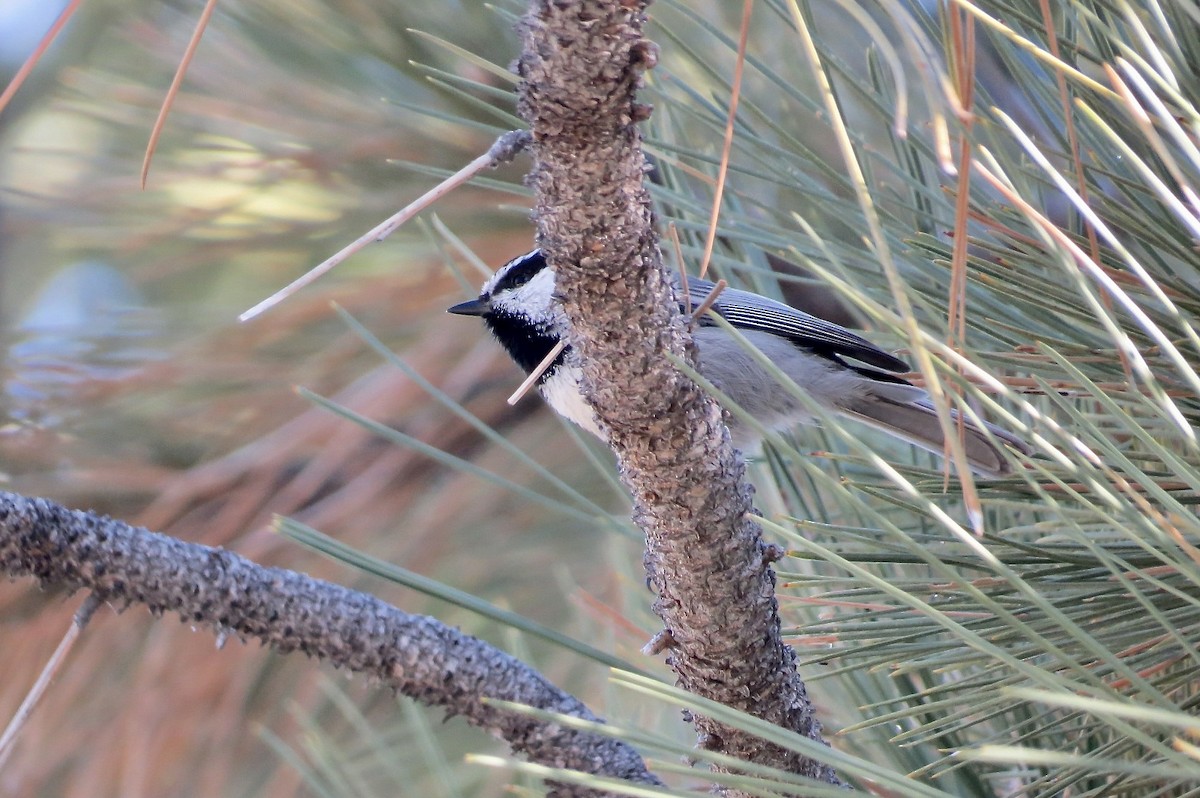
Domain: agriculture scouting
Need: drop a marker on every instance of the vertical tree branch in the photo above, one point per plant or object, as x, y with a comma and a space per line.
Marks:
581, 65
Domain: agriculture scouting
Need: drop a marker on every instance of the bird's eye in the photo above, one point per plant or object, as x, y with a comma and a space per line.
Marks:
520, 271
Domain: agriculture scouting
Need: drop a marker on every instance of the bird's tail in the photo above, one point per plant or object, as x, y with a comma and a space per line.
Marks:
917, 423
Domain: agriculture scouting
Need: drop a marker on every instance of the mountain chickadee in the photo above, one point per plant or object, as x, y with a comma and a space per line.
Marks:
519, 307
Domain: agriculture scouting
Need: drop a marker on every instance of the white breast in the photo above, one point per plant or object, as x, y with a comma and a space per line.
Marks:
561, 392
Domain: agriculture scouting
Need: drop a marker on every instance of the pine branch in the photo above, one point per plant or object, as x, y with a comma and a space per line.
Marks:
415, 655
581, 66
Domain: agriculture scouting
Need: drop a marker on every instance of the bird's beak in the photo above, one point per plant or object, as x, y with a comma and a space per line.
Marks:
476, 307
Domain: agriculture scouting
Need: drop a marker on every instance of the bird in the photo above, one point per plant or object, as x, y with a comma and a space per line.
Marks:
840, 370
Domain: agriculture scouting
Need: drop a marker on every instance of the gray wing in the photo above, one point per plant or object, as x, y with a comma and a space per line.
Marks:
755, 312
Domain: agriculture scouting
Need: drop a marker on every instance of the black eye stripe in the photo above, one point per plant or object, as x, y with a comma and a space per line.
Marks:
519, 271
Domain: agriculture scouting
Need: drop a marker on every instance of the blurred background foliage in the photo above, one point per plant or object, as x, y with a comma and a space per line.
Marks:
130, 388
1033, 635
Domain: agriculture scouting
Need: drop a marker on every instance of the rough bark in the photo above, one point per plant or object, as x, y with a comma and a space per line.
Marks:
416, 655
581, 65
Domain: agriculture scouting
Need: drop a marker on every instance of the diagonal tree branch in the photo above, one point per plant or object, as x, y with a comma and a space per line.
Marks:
416, 655
581, 65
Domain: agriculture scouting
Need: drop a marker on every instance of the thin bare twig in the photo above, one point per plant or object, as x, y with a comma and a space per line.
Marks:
673, 233
537, 372
727, 145
709, 300
962, 41
8, 740
169, 100
18, 79
502, 151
